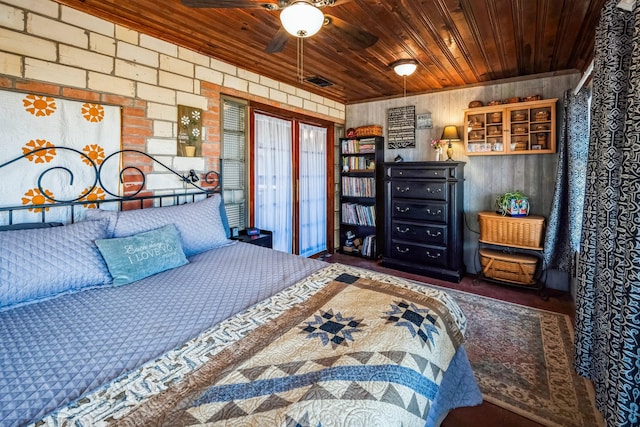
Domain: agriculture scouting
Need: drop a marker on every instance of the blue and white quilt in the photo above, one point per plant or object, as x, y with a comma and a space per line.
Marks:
342, 347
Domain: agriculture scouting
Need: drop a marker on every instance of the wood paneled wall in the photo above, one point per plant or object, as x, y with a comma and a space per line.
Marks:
485, 176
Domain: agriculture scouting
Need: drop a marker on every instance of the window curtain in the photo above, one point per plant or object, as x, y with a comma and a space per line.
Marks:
313, 189
562, 239
608, 292
273, 198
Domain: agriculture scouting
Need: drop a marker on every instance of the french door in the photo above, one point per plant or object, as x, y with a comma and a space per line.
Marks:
289, 174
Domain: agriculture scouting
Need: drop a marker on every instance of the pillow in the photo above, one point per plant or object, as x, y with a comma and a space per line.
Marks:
99, 214
224, 218
45, 262
141, 255
29, 225
199, 223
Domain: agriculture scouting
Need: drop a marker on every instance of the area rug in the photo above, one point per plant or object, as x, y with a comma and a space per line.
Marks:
523, 361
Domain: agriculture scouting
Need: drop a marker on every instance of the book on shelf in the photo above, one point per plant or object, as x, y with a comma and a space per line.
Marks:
358, 163
354, 146
357, 214
369, 245
358, 187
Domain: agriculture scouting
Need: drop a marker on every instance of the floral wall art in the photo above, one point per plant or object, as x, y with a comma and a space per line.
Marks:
89, 133
189, 131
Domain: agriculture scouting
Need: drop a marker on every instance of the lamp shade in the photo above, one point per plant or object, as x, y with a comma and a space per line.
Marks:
405, 67
302, 19
450, 133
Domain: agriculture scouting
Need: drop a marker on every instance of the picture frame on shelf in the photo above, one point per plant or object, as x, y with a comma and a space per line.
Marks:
536, 147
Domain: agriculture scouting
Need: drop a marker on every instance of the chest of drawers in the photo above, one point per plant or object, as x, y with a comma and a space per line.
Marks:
423, 218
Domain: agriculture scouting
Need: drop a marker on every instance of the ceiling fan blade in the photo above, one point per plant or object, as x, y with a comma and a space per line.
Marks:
230, 4
278, 41
354, 36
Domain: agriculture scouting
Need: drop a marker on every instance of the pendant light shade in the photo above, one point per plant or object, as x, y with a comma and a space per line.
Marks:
405, 67
302, 19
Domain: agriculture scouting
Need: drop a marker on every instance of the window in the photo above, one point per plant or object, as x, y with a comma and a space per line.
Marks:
234, 149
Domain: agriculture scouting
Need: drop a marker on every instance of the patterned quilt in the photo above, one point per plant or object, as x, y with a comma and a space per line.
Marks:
343, 347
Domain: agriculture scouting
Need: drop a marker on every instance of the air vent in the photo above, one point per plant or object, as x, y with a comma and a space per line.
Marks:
318, 81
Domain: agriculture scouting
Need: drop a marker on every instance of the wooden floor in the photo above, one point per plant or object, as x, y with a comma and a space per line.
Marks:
487, 414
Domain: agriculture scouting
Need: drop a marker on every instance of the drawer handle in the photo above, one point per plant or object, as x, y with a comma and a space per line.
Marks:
435, 173
429, 190
402, 210
402, 251
400, 173
438, 212
403, 231
436, 256
403, 190
433, 235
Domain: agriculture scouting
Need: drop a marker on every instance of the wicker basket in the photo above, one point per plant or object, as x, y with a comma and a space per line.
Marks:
370, 130
518, 232
513, 268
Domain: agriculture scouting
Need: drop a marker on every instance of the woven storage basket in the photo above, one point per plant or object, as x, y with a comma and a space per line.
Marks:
513, 268
520, 232
370, 130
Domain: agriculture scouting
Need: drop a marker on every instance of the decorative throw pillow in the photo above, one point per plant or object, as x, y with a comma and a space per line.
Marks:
199, 223
41, 263
141, 255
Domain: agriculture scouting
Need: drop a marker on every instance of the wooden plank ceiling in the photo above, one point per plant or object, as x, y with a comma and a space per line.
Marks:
456, 42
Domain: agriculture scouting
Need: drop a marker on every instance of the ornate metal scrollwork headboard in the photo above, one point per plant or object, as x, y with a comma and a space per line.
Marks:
136, 195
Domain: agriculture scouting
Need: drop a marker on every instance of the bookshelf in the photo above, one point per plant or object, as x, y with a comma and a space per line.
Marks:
360, 189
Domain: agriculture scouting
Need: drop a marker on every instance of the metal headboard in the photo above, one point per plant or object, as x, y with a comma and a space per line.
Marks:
132, 200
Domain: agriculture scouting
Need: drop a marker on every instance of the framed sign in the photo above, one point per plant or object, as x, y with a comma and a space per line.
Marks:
401, 127
423, 121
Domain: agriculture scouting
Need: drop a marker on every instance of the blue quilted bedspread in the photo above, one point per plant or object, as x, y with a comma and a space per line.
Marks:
53, 352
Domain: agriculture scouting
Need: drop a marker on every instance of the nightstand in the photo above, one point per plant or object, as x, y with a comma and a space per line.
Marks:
263, 239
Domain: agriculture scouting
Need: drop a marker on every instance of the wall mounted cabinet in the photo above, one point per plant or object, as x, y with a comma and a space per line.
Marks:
518, 128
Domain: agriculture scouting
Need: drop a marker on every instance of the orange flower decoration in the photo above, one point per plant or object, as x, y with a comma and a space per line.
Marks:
39, 105
95, 195
43, 156
95, 153
93, 113
35, 197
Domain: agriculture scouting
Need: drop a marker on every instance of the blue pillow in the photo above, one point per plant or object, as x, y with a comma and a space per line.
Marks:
44, 262
135, 257
199, 224
224, 218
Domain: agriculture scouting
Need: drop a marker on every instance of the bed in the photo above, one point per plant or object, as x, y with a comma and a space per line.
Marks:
154, 317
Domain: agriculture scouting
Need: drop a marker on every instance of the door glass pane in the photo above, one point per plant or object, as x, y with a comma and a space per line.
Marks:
273, 178
313, 189
233, 162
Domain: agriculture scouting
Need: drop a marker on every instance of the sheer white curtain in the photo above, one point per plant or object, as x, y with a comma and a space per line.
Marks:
313, 189
273, 198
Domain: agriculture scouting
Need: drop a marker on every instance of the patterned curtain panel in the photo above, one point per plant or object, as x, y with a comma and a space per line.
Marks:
64, 142
608, 293
562, 239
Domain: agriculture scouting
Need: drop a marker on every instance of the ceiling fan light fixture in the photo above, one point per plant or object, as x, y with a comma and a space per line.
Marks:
301, 19
405, 67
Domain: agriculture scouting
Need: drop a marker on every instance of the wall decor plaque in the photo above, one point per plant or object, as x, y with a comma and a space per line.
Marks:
401, 127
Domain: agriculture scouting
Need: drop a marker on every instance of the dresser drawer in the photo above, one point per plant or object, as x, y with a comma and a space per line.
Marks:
429, 190
419, 173
435, 234
418, 253
421, 211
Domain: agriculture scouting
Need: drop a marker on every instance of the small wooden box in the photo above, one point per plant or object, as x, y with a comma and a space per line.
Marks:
518, 232
512, 268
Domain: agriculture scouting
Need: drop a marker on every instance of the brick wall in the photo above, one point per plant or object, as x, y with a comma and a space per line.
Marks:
48, 48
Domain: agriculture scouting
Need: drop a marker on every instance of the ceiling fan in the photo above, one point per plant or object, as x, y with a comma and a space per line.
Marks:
300, 18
